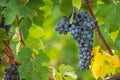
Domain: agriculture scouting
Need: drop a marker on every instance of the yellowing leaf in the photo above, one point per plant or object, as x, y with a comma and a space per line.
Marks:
113, 60
103, 64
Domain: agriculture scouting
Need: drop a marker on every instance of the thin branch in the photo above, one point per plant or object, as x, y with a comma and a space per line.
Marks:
21, 38
8, 49
50, 78
114, 77
98, 30
17, 19
9, 56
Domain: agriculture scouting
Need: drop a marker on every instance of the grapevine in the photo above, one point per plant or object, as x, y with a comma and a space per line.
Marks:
31, 49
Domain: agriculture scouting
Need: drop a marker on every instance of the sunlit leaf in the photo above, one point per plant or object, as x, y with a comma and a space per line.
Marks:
66, 7
99, 67
77, 3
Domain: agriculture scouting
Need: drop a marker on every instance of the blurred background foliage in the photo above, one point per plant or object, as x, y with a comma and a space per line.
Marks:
60, 48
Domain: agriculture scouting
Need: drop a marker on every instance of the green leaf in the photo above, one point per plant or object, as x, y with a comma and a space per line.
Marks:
35, 3
114, 35
110, 13
34, 36
24, 27
24, 55
1, 45
66, 7
67, 71
41, 57
1, 52
33, 69
9, 15
69, 78
2, 2
107, 1
34, 43
117, 41
20, 9
36, 31
106, 35
3, 36
39, 18
76, 3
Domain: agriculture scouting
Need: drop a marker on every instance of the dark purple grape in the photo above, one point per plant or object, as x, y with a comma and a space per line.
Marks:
2, 25
12, 73
82, 31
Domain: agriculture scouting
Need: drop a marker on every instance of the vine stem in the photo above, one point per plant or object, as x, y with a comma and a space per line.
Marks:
20, 33
50, 78
98, 30
21, 38
114, 77
9, 56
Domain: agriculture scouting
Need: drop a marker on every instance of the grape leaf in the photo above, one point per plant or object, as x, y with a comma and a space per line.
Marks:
106, 35
66, 7
32, 68
67, 70
114, 35
34, 37
3, 36
38, 18
103, 64
76, 3
117, 41
110, 13
35, 3
2, 2
24, 26
34, 43
107, 1
20, 9
9, 15
41, 57
36, 31
24, 55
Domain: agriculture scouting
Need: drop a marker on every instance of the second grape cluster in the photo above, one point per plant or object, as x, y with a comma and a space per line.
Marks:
82, 31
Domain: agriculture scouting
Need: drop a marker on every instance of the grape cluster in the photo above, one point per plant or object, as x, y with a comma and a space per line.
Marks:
63, 26
82, 31
12, 73
2, 25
